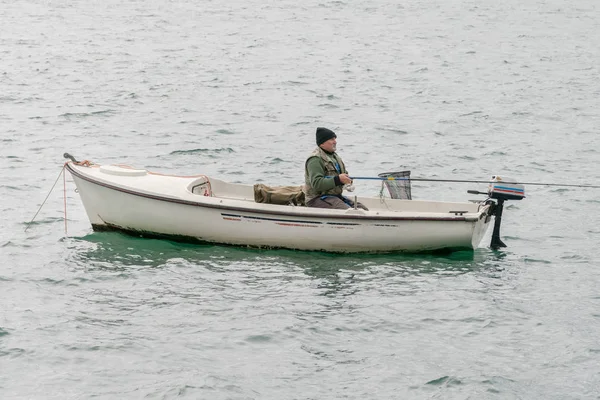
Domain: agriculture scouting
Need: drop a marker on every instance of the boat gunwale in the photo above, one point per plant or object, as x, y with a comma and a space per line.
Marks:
362, 217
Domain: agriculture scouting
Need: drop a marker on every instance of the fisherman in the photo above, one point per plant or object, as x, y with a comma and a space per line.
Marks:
325, 175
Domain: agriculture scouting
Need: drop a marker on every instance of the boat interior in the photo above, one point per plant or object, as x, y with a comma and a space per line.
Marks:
212, 187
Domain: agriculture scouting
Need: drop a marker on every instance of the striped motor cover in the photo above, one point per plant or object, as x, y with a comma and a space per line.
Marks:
505, 189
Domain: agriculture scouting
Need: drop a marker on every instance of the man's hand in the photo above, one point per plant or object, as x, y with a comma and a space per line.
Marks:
345, 179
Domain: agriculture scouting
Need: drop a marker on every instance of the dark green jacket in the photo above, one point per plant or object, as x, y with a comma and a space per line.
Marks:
320, 172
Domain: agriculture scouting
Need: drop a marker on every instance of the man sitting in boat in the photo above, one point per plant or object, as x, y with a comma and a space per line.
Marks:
325, 175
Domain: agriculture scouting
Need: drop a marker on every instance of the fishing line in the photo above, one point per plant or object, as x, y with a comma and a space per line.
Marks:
471, 181
62, 170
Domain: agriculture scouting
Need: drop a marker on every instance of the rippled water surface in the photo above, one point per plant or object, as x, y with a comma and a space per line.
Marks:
450, 90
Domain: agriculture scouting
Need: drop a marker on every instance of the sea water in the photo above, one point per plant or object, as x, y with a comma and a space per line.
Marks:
448, 90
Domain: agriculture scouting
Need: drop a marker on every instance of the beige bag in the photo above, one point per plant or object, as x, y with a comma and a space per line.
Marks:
287, 195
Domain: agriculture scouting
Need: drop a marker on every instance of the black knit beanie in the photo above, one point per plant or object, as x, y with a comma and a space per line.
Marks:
324, 134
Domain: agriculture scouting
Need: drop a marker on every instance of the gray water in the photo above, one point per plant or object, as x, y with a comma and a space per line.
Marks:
446, 89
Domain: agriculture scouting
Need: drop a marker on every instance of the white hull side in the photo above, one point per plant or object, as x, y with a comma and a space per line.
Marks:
118, 209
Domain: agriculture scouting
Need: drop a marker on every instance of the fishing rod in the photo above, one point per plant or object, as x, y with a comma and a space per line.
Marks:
499, 189
391, 178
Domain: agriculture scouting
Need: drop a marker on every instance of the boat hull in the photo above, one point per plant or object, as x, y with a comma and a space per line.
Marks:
189, 217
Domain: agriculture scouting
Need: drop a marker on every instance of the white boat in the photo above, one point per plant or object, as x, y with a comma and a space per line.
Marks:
205, 209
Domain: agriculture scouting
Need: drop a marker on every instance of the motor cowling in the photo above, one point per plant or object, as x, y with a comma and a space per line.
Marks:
505, 189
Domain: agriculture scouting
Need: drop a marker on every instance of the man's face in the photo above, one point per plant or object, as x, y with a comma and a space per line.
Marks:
330, 145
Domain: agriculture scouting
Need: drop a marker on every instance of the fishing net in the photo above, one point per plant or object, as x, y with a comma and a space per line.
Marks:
397, 183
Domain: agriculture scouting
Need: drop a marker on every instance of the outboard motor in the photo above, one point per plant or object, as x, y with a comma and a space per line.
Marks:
501, 189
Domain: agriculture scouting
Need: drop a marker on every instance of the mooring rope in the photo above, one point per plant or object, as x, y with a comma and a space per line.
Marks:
62, 170
65, 197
